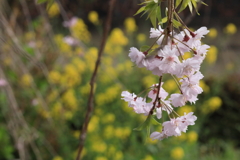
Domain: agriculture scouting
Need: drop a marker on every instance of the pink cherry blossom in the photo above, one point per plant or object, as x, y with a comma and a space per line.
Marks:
137, 57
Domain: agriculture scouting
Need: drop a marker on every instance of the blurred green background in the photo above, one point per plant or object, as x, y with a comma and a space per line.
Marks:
46, 67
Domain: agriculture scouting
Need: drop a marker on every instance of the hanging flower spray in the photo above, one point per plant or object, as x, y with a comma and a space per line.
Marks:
173, 42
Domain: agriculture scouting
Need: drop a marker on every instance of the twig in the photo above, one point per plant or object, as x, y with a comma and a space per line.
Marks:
90, 105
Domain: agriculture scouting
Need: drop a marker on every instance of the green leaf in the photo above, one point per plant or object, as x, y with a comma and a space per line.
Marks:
144, 48
176, 24
159, 15
164, 20
177, 3
195, 6
184, 5
190, 6
41, 1
144, 125
147, 123
140, 10
204, 3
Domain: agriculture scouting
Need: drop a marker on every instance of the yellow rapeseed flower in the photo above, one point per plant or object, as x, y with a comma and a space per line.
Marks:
148, 81
76, 134
80, 31
117, 37
214, 103
212, 54
148, 157
185, 109
212, 33
26, 80
177, 153
141, 37
57, 158
70, 100
130, 25
108, 131
91, 57
187, 55
150, 141
57, 110
108, 118
230, 28
182, 137
192, 136
99, 146
93, 17
170, 85
101, 158
54, 77
93, 124
53, 10
71, 76
204, 86
118, 155
80, 64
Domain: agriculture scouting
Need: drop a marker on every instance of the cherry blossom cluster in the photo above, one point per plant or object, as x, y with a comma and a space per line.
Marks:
168, 58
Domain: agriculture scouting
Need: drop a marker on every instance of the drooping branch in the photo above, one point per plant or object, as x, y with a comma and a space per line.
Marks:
90, 105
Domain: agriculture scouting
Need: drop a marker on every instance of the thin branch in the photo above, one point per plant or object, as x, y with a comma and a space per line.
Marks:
90, 105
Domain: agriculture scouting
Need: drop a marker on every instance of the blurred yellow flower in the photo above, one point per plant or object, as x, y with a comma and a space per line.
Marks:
150, 141
53, 10
141, 37
130, 25
57, 158
44, 113
108, 118
71, 76
108, 131
54, 77
99, 146
187, 55
91, 57
148, 81
214, 103
148, 157
212, 55
204, 86
212, 33
211, 105
117, 37
170, 85
68, 115
26, 80
80, 31
69, 99
101, 158
182, 137
93, 124
80, 64
76, 134
177, 153
185, 109
118, 155
192, 136
230, 28
93, 17
57, 110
